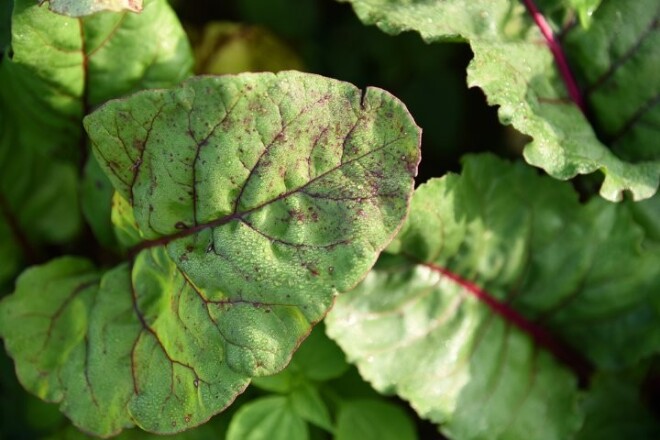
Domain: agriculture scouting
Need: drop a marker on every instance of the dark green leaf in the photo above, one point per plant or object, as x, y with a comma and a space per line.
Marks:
615, 411
496, 268
309, 405
618, 60
268, 418
373, 420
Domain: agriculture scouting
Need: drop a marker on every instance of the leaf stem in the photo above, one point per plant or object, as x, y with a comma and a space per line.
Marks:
557, 53
563, 353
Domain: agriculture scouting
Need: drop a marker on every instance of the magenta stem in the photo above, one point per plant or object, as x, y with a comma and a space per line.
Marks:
564, 354
558, 53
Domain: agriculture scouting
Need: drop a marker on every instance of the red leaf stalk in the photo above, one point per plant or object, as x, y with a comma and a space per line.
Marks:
557, 53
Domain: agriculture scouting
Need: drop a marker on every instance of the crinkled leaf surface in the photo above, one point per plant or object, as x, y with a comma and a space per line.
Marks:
79, 8
494, 268
259, 197
515, 71
60, 68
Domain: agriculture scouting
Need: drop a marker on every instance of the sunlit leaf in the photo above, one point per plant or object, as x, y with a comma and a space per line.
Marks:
502, 283
257, 199
520, 75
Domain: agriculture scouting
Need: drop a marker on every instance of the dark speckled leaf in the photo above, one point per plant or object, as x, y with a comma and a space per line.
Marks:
256, 198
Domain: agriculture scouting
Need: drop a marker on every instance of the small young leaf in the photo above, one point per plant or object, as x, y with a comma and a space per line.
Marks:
309, 405
617, 58
79, 8
519, 75
370, 419
319, 358
585, 10
495, 267
268, 418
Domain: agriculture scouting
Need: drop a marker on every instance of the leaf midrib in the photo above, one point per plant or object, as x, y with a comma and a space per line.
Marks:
188, 231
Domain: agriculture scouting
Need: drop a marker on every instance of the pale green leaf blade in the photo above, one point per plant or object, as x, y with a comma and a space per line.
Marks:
466, 370
518, 74
370, 419
45, 323
486, 255
80, 8
267, 418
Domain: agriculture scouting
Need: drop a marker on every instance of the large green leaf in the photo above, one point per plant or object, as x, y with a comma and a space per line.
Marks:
494, 268
518, 74
260, 197
59, 69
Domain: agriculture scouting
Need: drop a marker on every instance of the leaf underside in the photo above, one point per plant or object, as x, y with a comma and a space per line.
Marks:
515, 71
493, 269
251, 201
